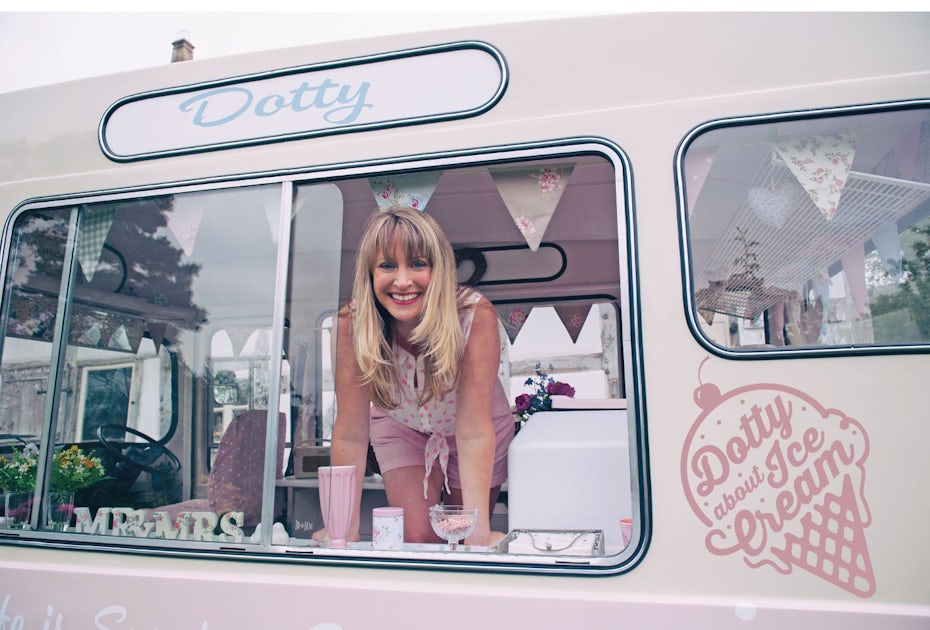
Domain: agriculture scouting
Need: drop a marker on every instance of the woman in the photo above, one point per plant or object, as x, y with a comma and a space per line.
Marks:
416, 374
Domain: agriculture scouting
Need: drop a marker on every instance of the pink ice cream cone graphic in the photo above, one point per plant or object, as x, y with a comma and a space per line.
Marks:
778, 479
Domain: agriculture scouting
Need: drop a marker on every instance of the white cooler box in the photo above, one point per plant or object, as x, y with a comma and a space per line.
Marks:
571, 470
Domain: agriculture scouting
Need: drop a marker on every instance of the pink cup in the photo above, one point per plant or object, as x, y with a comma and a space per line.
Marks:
337, 501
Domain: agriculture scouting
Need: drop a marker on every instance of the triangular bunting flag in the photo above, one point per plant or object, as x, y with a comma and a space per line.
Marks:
887, 243
119, 340
821, 164
273, 215
91, 335
573, 317
185, 225
697, 167
238, 337
134, 329
108, 327
854, 268
404, 190
157, 333
531, 196
513, 316
95, 225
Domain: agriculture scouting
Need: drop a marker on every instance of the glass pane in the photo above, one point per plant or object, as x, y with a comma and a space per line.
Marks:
313, 296
32, 287
157, 280
811, 232
538, 239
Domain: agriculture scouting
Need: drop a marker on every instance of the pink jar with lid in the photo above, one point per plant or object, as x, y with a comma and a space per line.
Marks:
387, 528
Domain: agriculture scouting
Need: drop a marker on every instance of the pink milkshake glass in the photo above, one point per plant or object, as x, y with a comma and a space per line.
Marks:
337, 501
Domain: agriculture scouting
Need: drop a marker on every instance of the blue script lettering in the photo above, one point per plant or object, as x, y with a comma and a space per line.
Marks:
15, 622
339, 104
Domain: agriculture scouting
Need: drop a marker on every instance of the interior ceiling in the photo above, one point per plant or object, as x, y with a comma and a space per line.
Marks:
470, 209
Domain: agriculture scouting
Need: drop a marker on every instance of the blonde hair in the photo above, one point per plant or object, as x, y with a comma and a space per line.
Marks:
438, 334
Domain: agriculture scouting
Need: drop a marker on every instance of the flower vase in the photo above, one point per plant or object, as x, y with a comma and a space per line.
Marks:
18, 509
60, 510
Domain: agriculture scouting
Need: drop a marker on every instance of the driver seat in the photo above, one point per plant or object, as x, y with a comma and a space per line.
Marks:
235, 482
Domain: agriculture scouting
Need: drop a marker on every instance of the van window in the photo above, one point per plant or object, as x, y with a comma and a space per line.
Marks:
180, 346
809, 232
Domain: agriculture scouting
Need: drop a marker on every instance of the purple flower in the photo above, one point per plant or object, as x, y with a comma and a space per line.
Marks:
524, 402
558, 388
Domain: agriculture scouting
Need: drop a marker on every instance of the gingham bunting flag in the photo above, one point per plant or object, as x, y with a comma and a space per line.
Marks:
95, 225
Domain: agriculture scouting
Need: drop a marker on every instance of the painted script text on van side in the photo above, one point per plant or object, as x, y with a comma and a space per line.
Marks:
779, 478
339, 104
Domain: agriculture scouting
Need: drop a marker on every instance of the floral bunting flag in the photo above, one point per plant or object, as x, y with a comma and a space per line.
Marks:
185, 225
573, 317
854, 268
697, 166
531, 196
95, 225
405, 190
512, 317
821, 164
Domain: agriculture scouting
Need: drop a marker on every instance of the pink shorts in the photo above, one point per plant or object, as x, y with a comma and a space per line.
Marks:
397, 445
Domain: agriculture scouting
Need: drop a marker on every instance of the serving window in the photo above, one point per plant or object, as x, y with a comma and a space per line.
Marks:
180, 346
809, 232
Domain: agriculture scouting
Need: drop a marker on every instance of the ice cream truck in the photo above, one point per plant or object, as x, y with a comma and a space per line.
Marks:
707, 238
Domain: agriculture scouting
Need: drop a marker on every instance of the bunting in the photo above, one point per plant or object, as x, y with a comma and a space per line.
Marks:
184, 226
95, 226
157, 332
405, 190
531, 196
119, 340
854, 269
573, 317
513, 316
238, 336
821, 165
134, 329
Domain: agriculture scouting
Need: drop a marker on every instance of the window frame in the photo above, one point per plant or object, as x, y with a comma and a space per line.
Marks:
684, 229
629, 350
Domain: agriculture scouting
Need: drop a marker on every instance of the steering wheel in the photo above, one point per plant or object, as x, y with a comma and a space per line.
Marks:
139, 455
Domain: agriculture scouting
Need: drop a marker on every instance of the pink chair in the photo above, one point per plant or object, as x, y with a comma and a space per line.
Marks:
235, 482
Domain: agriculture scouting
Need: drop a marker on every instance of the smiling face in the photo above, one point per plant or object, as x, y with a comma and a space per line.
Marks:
399, 283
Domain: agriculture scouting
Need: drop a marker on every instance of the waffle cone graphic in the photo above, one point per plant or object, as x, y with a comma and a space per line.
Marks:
833, 544
778, 479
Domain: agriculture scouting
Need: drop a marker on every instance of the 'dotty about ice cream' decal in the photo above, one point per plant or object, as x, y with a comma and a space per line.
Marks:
779, 479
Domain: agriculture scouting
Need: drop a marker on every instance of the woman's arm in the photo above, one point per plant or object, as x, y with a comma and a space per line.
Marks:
474, 429
350, 431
